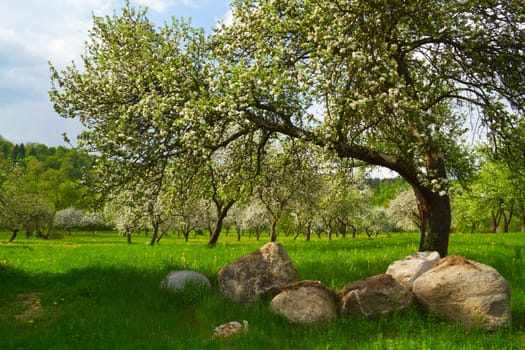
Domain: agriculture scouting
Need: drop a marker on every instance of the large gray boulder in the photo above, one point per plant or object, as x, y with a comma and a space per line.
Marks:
259, 274
306, 302
466, 292
406, 271
375, 296
179, 280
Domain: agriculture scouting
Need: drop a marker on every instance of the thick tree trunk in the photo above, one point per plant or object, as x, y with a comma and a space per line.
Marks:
222, 212
435, 213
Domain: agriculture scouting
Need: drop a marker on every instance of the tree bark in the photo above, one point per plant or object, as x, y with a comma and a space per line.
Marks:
522, 214
154, 235
222, 212
436, 218
13, 236
239, 232
507, 219
273, 234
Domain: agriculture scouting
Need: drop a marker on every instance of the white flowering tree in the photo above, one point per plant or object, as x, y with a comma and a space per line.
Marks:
389, 78
254, 218
134, 93
69, 219
403, 211
231, 171
285, 175
20, 207
345, 200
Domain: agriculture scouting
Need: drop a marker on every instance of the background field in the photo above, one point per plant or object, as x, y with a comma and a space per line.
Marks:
97, 292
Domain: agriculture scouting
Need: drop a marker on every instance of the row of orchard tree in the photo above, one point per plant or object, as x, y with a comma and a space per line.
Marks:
287, 188
303, 194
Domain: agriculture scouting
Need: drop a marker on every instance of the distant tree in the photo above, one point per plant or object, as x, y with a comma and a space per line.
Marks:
255, 218
21, 208
345, 198
384, 190
403, 211
284, 171
93, 222
125, 211
376, 221
308, 192
69, 219
496, 192
19, 152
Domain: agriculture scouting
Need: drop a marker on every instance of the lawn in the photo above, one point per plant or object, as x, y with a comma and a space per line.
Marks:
86, 291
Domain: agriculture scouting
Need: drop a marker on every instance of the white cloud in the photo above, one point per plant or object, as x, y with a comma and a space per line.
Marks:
34, 121
33, 32
163, 5
228, 18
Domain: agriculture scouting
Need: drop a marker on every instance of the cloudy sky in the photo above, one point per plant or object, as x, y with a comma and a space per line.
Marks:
34, 32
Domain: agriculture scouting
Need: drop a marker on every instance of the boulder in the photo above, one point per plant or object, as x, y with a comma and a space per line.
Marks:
259, 274
466, 292
306, 302
406, 271
375, 296
179, 280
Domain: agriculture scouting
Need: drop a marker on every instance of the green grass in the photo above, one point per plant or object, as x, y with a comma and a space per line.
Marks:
97, 292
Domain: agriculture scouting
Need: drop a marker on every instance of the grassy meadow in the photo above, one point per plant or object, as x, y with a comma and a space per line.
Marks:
86, 291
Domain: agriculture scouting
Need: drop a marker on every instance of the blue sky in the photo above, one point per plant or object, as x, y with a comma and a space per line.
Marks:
33, 32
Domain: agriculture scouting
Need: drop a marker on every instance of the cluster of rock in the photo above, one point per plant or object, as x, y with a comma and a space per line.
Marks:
453, 288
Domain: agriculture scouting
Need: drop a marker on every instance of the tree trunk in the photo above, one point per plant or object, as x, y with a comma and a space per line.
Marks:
507, 220
154, 235
239, 232
222, 212
354, 231
308, 232
436, 218
160, 236
128, 237
13, 236
273, 234
522, 214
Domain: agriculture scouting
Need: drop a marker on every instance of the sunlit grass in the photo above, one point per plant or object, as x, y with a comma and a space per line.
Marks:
97, 292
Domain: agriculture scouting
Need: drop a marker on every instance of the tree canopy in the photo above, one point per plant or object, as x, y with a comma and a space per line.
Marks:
386, 83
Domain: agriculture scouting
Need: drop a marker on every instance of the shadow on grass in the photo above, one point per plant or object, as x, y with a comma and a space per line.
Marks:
124, 308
